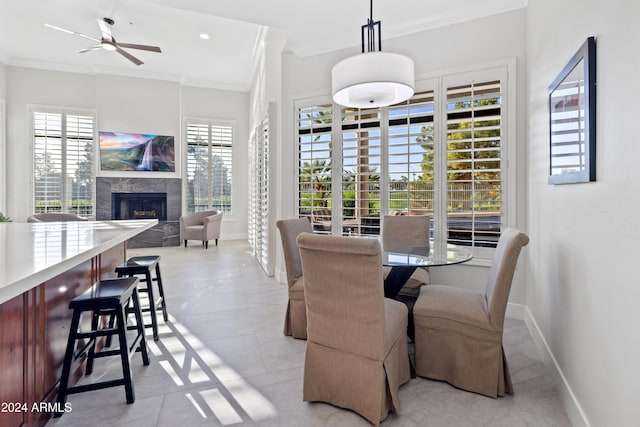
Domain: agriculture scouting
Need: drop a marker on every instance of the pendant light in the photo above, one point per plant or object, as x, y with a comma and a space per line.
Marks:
373, 78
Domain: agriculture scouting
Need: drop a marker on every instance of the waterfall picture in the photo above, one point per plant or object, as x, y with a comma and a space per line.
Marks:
136, 152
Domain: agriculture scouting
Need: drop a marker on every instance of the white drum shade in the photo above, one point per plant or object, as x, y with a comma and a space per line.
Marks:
372, 79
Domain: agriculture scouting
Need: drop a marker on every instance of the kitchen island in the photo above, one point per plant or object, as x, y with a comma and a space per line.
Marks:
42, 267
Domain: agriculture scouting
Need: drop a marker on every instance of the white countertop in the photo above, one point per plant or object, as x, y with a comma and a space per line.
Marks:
32, 253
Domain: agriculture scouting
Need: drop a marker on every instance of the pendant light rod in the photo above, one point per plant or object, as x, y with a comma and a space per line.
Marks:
372, 78
370, 29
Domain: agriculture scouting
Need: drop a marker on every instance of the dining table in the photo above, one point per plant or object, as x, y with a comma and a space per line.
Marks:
405, 255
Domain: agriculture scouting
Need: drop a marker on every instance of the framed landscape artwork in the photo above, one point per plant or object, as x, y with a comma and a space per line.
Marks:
136, 152
572, 119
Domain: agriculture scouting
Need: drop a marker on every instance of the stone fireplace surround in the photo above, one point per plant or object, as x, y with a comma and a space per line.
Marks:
166, 233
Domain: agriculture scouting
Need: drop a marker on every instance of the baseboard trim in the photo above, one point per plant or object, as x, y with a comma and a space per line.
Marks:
234, 236
515, 311
280, 275
571, 405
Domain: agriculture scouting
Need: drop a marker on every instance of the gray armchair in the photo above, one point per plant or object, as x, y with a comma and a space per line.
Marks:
203, 226
54, 217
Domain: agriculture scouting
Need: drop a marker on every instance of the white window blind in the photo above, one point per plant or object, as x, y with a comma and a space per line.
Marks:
260, 228
411, 155
209, 166
314, 164
474, 170
64, 172
440, 153
361, 162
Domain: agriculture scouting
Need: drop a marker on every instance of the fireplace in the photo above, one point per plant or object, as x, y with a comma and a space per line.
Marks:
139, 195
139, 206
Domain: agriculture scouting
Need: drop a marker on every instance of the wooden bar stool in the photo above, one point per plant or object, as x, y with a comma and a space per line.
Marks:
116, 298
143, 266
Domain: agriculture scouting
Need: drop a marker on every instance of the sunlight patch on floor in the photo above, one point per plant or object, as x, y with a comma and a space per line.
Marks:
187, 360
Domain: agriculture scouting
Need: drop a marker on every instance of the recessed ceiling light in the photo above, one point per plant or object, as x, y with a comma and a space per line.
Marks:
204, 36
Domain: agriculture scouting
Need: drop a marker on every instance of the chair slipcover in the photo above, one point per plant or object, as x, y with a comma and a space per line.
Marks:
203, 226
295, 321
54, 217
458, 333
357, 355
409, 227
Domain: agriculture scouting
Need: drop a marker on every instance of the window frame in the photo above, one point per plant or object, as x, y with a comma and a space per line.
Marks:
3, 159
500, 70
507, 148
333, 135
63, 112
210, 123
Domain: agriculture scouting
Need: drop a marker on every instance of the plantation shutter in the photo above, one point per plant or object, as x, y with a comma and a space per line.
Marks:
314, 164
209, 166
79, 165
410, 155
474, 143
197, 167
48, 152
222, 165
261, 229
63, 163
361, 162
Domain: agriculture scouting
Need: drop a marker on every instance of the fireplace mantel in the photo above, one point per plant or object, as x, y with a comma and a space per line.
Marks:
167, 232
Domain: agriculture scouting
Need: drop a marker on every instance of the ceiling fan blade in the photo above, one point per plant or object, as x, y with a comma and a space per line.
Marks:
129, 56
140, 46
89, 49
64, 30
105, 29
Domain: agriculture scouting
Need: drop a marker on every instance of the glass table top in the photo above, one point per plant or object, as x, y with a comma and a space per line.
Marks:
421, 253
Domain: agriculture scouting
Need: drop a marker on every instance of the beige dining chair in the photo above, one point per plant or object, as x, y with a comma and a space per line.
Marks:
458, 333
295, 320
357, 355
410, 227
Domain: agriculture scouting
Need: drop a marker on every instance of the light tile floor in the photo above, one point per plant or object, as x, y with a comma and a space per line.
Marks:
222, 360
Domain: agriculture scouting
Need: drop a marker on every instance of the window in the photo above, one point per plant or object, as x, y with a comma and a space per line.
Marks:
3, 161
209, 165
260, 213
439, 153
474, 180
314, 164
361, 161
64, 171
411, 155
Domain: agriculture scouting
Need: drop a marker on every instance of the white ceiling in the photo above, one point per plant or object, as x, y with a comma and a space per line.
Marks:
236, 28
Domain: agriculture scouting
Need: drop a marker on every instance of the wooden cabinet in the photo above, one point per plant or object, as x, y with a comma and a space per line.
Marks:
12, 359
34, 328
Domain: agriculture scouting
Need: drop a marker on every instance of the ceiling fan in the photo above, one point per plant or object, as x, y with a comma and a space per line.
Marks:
108, 42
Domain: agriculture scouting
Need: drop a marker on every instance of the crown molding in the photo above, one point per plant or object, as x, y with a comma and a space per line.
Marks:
96, 70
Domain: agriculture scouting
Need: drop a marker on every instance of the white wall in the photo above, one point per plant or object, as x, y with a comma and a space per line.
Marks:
3, 80
122, 104
128, 104
454, 48
134, 105
233, 106
3, 134
583, 289
265, 98
27, 86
